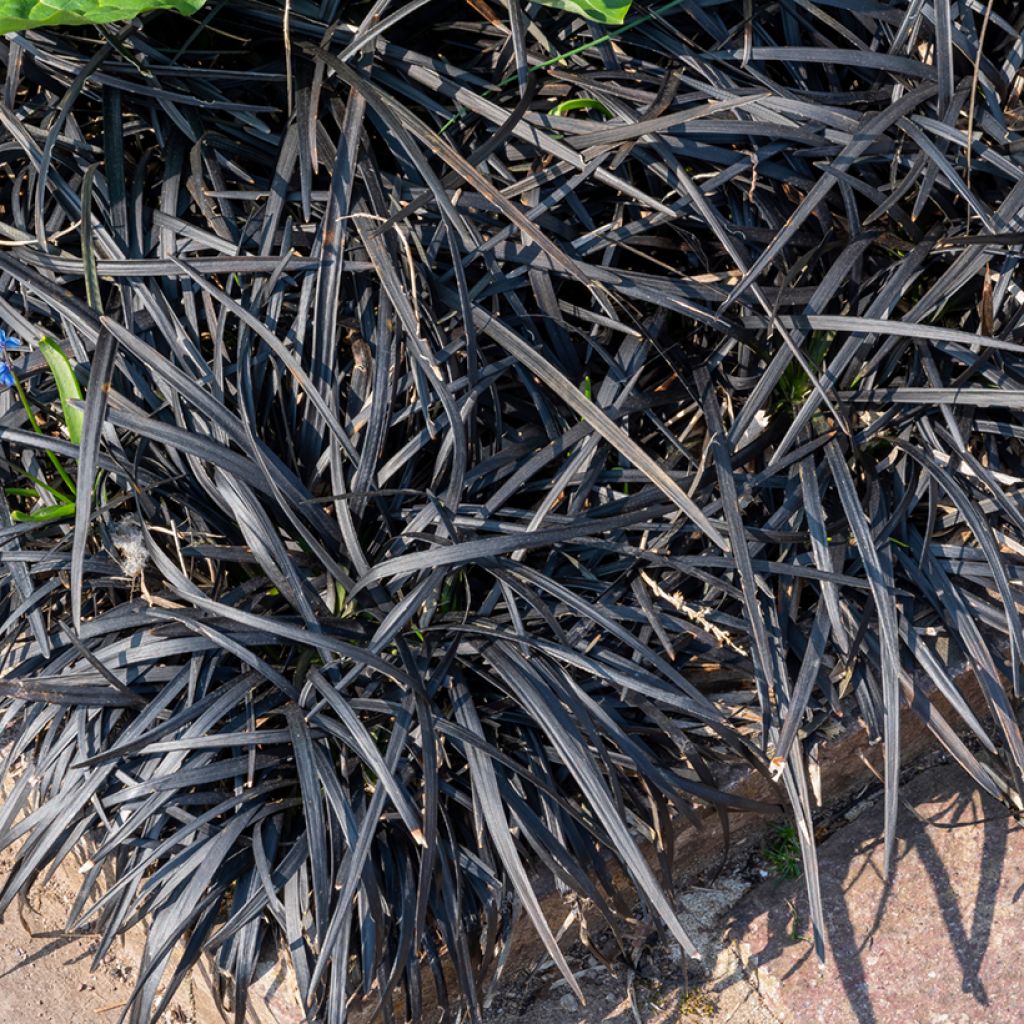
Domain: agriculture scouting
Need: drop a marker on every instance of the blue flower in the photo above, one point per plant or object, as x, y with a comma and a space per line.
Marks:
6, 377
6, 341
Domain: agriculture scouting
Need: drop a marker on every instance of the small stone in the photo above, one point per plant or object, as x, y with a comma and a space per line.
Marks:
568, 1001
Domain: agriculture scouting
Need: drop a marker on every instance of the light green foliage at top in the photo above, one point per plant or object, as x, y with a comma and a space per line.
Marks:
607, 12
18, 15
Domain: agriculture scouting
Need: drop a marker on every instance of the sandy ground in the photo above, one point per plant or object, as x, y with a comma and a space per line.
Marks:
45, 976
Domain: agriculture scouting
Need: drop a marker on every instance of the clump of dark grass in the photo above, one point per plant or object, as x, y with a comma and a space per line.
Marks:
490, 475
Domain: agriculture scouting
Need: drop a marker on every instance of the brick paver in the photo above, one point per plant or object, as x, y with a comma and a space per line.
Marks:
941, 945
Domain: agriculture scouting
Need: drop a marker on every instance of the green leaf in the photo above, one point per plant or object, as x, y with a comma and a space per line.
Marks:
607, 12
45, 515
567, 106
67, 385
18, 15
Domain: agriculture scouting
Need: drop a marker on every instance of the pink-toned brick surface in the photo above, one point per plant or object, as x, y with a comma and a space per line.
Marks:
943, 944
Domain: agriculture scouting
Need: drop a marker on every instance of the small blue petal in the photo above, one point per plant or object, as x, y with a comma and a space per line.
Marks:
6, 377
6, 341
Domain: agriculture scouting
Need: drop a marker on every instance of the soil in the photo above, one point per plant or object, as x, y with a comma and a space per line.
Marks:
46, 976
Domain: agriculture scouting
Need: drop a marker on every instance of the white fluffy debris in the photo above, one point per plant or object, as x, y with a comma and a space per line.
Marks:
131, 548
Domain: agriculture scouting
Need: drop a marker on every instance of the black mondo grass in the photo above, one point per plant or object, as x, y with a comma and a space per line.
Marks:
464, 476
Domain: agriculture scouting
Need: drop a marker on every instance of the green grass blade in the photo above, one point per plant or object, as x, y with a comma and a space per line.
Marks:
68, 387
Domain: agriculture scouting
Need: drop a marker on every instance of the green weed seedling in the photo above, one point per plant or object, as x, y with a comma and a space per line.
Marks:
568, 106
63, 488
794, 385
782, 851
